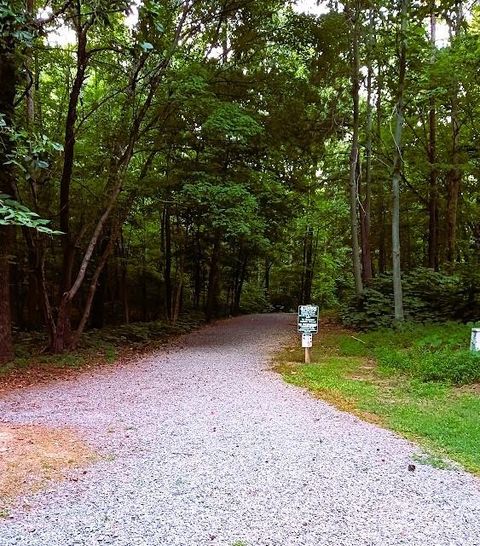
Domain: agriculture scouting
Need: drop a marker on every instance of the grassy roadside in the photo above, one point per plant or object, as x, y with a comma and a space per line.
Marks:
419, 382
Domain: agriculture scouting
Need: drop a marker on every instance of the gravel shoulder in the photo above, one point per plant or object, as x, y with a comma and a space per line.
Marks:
202, 444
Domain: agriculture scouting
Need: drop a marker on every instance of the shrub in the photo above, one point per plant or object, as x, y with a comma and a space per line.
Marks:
428, 296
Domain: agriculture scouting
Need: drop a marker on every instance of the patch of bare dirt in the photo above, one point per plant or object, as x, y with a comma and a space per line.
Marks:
31, 455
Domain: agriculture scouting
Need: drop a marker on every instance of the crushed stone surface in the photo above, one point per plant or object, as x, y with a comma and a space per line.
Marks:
203, 445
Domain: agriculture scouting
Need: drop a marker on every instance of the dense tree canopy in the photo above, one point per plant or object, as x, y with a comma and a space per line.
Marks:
231, 156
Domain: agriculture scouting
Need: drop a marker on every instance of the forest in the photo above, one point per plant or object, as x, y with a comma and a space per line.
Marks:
163, 157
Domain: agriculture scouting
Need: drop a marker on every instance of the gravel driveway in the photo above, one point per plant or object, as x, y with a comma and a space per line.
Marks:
205, 446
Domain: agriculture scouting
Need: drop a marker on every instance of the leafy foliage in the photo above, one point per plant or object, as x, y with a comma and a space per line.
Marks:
13, 213
428, 296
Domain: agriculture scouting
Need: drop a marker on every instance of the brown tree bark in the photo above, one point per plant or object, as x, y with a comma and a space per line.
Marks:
367, 266
8, 75
211, 309
240, 276
397, 164
63, 320
454, 175
382, 236
432, 159
197, 272
354, 14
167, 269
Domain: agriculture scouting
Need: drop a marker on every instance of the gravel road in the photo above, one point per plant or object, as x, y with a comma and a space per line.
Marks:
205, 446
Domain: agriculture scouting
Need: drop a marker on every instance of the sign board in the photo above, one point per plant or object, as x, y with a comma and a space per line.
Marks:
307, 340
308, 319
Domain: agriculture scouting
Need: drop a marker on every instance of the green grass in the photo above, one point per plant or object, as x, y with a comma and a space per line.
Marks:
408, 380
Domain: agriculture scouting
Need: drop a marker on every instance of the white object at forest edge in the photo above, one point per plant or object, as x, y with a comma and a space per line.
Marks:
475, 340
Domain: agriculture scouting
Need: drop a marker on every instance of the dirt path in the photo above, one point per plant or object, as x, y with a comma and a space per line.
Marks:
203, 445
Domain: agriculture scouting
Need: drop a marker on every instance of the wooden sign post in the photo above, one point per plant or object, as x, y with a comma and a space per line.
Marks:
307, 326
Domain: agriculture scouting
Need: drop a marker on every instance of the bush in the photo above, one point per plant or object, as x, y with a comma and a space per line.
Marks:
429, 296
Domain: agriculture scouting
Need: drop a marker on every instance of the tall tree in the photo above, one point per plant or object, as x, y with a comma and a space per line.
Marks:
432, 155
398, 159
353, 13
10, 20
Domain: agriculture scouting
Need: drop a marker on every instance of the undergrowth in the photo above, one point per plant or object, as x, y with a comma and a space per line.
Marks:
97, 346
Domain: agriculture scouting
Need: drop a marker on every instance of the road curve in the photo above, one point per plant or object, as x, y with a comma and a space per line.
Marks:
205, 446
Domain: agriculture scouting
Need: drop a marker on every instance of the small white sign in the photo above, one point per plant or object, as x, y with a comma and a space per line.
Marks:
475, 341
307, 340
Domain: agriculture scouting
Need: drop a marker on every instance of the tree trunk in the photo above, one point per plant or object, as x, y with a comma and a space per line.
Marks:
213, 281
382, 242
167, 272
30, 93
8, 75
197, 274
432, 159
454, 175
237, 293
64, 326
123, 278
308, 266
6, 344
177, 300
367, 268
354, 153
397, 166
268, 268
98, 304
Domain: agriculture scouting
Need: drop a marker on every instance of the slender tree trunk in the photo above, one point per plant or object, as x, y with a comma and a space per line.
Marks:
197, 275
268, 268
63, 319
355, 150
6, 344
432, 159
397, 165
365, 222
92, 290
124, 279
61, 335
454, 178
30, 93
8, 75
237, 293
167, 272
213, 281
382, 232
454, 175
98, 303
308, 265
177, 300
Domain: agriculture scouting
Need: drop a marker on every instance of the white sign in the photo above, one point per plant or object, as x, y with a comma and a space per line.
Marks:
307, 340
475, 341
308, 319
